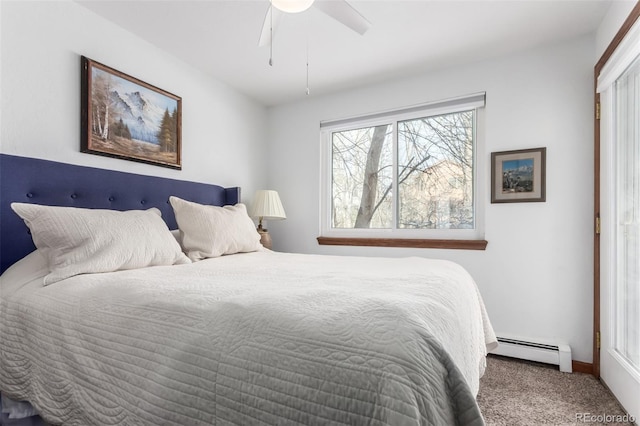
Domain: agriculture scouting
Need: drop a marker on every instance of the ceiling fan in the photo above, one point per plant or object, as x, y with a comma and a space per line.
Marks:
339, 10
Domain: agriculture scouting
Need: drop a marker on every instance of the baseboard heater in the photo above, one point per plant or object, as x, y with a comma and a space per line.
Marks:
557, 354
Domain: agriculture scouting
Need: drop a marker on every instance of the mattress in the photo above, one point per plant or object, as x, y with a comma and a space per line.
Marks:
255, 338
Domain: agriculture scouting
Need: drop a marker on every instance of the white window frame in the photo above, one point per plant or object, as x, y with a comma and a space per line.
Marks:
474, 102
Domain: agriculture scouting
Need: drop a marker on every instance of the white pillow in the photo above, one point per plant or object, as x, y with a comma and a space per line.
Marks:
177, 236
212, 231
82, 241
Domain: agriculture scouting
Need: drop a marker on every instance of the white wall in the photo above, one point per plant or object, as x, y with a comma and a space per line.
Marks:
41, 47
536, 274
611, 23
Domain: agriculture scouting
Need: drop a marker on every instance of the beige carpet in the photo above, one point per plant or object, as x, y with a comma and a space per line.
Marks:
514, 392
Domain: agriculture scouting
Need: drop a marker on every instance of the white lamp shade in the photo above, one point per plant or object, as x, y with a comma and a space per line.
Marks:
292, 6
267, 205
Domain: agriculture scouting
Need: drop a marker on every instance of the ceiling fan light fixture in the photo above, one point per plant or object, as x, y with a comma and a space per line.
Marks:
292, 6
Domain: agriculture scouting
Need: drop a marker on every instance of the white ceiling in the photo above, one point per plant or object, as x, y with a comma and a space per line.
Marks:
220, 37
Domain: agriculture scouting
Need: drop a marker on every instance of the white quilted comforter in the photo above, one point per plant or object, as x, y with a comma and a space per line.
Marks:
258, 338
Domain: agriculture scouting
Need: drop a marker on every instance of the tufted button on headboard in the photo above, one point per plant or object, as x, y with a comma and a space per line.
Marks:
29, 180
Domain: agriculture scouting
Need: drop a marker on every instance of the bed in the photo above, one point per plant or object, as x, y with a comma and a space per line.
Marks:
256, 337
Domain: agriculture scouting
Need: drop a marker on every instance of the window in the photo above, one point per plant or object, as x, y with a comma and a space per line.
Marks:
406, 174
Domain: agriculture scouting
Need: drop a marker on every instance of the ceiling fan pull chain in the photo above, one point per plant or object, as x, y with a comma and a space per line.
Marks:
308, 90
308, 24
271, 33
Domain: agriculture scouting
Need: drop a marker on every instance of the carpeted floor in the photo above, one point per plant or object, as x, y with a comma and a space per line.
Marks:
514, 393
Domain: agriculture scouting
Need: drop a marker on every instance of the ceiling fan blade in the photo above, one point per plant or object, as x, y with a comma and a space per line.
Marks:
269, 27
343, 12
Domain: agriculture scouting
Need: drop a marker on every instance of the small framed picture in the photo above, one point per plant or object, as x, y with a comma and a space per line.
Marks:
518, 176
126, 118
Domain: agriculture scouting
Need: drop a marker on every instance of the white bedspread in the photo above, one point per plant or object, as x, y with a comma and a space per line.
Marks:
258, 338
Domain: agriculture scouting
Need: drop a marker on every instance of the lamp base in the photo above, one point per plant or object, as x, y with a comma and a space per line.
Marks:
265, 238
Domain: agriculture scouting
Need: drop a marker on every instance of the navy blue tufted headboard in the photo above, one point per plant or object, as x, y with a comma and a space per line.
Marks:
30, 180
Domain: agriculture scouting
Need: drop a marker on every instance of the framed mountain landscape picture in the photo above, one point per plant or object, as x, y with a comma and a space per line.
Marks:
123, 117
518, 176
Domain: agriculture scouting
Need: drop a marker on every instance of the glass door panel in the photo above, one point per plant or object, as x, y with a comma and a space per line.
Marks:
626, 291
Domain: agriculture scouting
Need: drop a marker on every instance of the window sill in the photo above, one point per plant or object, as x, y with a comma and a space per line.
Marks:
404, 242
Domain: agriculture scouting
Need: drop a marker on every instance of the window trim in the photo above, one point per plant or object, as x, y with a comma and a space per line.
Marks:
404, 242
472, 239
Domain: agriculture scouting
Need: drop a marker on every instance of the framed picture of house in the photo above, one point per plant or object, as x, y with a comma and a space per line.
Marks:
126, 118
518, 176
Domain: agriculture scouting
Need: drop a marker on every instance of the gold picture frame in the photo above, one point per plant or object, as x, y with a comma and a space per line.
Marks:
123, 117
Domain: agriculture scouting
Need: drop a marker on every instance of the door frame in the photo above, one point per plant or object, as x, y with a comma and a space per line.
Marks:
622, 32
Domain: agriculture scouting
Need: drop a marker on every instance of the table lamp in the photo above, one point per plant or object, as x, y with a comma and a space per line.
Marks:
266, 205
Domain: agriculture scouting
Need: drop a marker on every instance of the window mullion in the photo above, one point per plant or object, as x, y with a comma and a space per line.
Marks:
394, 183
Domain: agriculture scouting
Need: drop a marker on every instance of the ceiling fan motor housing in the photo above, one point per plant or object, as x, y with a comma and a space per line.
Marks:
292, 6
